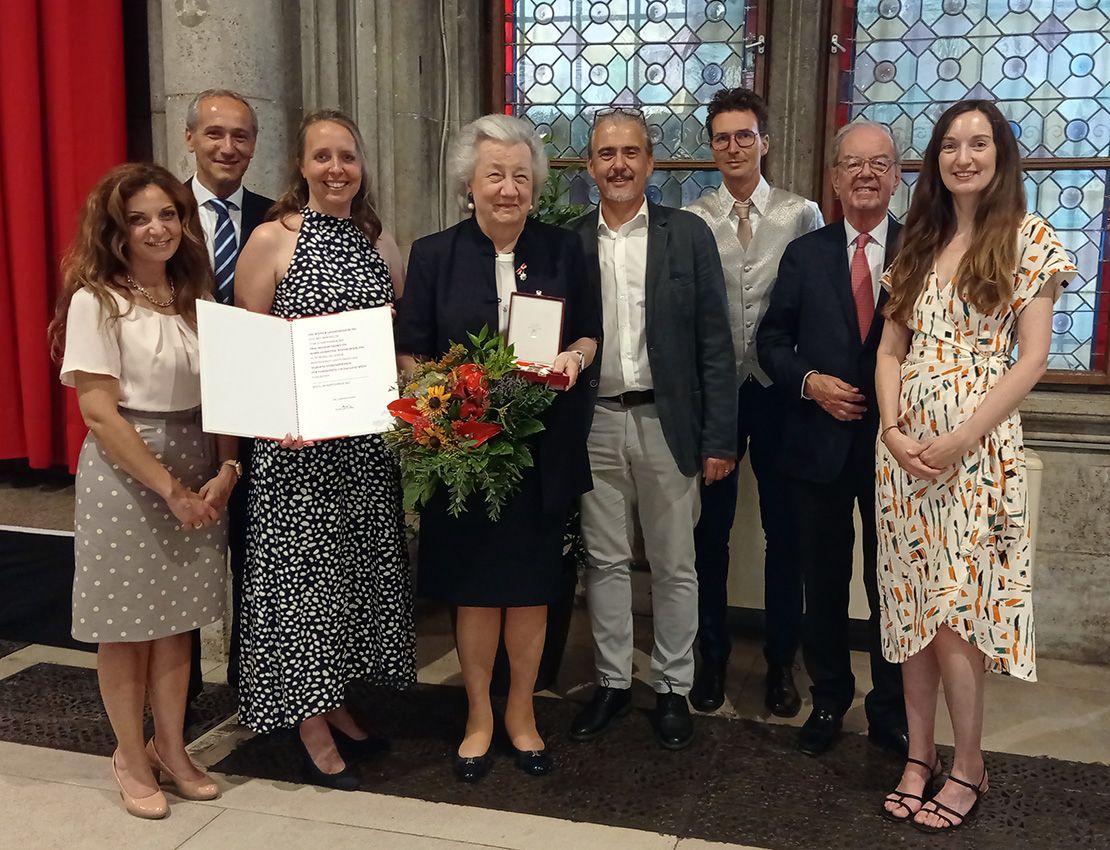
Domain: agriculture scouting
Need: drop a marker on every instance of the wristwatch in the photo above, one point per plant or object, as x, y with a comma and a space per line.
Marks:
581, 358
236, 465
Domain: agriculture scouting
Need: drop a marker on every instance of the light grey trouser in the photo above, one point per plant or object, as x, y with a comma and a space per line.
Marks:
635, 472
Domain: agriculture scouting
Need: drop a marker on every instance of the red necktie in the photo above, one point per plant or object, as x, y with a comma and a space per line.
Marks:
862, 292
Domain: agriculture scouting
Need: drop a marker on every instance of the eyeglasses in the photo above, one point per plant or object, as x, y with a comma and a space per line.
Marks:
744, 138
853, 165
628, 111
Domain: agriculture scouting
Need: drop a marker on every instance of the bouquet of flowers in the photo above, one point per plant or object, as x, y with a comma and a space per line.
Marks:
463, 422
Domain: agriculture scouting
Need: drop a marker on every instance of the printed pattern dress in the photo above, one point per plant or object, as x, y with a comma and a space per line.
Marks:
956, 551
328, 595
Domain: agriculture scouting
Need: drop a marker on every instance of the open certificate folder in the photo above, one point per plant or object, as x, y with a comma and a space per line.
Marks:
320, 377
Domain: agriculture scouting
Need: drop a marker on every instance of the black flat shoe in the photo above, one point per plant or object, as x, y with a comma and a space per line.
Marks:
818, 732
346, 780
708, 693
896, 741
534, 762
357, 749
606, 705
782, 698
673, 725
471, 768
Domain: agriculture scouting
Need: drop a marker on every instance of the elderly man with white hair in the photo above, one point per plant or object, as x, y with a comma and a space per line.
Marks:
818, 342
510, 570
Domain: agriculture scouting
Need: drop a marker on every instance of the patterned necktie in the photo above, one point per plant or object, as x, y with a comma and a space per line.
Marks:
862, 292
225, 250
744, 228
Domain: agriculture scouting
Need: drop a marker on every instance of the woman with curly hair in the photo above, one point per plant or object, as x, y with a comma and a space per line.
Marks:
149, 539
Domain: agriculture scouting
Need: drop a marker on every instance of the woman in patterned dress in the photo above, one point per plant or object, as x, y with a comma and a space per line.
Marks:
327, 597
975, 275
149, 544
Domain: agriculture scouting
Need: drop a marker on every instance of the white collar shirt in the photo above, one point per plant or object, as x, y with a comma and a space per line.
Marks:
622, 255
760, 196
875, 251
208, 215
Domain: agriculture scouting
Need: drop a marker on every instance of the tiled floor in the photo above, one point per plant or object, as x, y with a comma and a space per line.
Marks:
51, 798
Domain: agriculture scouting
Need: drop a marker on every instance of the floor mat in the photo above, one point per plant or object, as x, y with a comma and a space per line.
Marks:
7, 647
58, 706
741, 781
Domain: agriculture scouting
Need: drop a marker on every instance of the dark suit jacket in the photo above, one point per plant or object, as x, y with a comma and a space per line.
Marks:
451, 290
811, 324
255, 207
689, 342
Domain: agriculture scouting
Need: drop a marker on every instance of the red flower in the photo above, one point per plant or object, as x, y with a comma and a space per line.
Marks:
479, 432
471, 410
404, 409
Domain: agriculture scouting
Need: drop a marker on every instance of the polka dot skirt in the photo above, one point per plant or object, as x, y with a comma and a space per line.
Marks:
138, 575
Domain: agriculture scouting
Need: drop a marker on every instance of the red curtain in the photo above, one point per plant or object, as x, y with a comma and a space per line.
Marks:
62, 125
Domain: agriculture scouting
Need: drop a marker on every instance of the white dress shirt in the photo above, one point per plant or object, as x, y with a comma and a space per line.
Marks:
622, 254
208, 216
875, 251
506, 286
760, 196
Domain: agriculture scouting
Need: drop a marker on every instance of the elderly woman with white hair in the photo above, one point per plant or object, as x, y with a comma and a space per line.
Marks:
505, 572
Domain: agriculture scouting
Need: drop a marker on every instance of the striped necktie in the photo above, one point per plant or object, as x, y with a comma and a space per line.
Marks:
225, 250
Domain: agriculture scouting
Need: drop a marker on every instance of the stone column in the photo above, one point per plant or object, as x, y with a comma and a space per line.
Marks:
250, 46
796, 66
407, 72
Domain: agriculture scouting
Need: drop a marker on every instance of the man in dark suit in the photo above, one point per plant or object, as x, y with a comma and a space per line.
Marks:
818, 343
221, 129
665, 414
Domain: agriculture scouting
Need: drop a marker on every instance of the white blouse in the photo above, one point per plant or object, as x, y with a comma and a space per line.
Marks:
506, 286
155, 357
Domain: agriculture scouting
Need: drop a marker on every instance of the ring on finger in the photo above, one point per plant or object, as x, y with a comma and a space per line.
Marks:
198, 525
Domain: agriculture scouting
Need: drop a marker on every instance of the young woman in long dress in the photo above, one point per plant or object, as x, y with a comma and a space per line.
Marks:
975, 276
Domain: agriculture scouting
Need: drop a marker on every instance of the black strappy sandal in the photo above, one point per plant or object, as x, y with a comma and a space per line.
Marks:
899, 797
942, 811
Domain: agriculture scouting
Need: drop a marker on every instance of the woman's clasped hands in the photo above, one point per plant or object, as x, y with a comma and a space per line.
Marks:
191, 509
926, 459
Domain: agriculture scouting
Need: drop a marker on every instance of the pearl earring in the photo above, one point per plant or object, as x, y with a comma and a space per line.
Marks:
469, 200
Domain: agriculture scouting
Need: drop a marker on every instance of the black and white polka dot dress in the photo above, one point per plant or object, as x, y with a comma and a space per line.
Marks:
327, 596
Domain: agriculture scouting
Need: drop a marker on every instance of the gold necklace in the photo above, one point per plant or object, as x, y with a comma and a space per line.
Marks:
139, 288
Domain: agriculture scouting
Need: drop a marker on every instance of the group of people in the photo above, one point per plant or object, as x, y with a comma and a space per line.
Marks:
863, 363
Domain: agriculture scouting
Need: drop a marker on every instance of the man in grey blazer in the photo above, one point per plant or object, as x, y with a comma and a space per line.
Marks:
665, 416
752, 223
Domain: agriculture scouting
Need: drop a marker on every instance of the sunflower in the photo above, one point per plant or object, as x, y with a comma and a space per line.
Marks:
434, 402
432, 436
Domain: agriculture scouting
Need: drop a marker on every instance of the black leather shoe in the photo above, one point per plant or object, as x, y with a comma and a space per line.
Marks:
346, 780
534, 762
471, 768
708, 693
893, 739
606, 705
673, 725
782, 698
357, 749
818, 732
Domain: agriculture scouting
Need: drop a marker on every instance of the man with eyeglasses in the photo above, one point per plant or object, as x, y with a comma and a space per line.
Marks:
752, 223
818, 342
665, 415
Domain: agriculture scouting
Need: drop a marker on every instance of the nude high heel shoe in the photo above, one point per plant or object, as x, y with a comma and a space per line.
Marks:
152, 807
187, 789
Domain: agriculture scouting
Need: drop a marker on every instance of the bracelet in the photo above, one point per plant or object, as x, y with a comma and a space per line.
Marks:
581, 358
236, 465
882, 434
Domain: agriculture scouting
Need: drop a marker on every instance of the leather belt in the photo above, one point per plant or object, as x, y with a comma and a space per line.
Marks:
632, 398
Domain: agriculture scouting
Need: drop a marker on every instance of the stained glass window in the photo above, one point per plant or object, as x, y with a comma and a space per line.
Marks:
1046, 63
569, 57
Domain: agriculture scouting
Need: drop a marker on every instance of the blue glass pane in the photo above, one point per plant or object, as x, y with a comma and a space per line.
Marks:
666, 56
1075, 203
